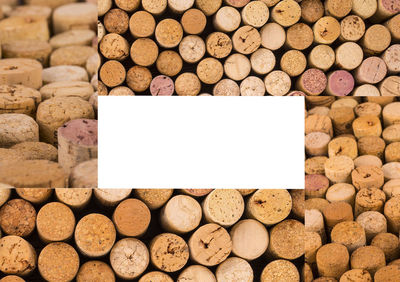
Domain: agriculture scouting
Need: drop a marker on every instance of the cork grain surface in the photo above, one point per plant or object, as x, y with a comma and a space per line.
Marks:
17, 217
16, 128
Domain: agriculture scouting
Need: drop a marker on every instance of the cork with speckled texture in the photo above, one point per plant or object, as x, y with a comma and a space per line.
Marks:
74, 197
35, 196
280, 270
95, 271
17, 217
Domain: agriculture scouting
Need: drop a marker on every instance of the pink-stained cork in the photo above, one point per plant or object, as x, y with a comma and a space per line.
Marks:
316, 185
372, 70
313, 81
162, 86
392, 6
80, 131
340, 83
296, 93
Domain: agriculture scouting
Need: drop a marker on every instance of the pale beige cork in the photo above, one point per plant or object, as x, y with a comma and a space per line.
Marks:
339, 168
95, 271
103, 6
316, 143
370, 258
155, 276
286, 13
332, 260
196, 273
390, 86
262, 61
237, 66
367, 160
35, 196
75, 198
367, 126
273, 36
314, 220
23, 71
321, 57
280, 269
391, 133
192, 48
84, 175
95, 235
75, 16
277, 83
364, 9
226, 87
227, 19
391, 57
24, 28
350, 234
367, 177
80, 89
318, 123
368, 108
349, 56
341, 192
155, 7
252, 86
31, 49
255, 14
111, 197
71, 55
121, 91
393, 26
208, 7
391, 114
128, 5
366, 90
392, 152
234, 269
181, 214
55, 222
64, 73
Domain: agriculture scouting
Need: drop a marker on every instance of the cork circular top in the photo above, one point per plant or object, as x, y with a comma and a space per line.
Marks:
269, 206
338, 9
169, 33
299, 36
386, 273
181, 214
350, 234
376, 38
114, 47
187, 84
227, 19
210, 245
364, 8
58, 262
81, 132
219, 45
192, 48
249, 239
390, 86
196, 192
116, 21
196, 272
277, 83
234, 269
287, 239
155, 276
12, 278
246, 40
392, 111
131, 217
17, 217
154, 198
111, 197
154, 7
72, 37
129, 258
340, 191
315, 183
55, 222
339, 163
74, 197
5, 193
370, 258
144, 52
84, 174
142, 24
273, 36
209, 7
392, 58
255, 13
33, 173
262, 61
80, 89
352, 28
169, 63
17, 128
209, 70
286, 12
9, 91
326, 30
372, 70
193, 21
95, 271
63, 73
332, 253
161, 255
121, 91
138, 78
340, 82
356, 274
252, 86
322, 57
391, 133
280, 269
367, 160
338, 211
128, 5
311, 10
162, 86
95, 235
349, 55
223, 206
237, 66
293, 62
17, 256
313, 81
226, 87
237, 3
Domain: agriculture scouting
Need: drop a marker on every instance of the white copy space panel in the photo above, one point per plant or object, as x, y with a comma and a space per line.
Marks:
201, 142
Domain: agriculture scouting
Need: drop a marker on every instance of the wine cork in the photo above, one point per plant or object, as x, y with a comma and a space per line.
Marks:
80, 89
144, 52
322, 111
338, 9
388, 243
208, 7
17, 256
352, 28
341, 192
340, 83
169, 63
227, 19
155, 276
154, 7
12, 278
225, 214
326, 30
391, 114
112, 73
193, 21
181, 214
103, 6
167, 260
129, 258
372, 70
95, 271
367, 126
337, 212
349, 56
24, 28
138, 78
298, 204
35, 196
386, 273
58, 261
162, 86
31, 49
11, 102
195, 273
23, 71
237, 66
187, 84
391, 58
273, 36
142, 24
218, 45
111, 197
209, 70
249, 239
376, 39
364, 9
311, 10
280, 269
392, 152
366, 90
314, 222
323, 101
350, 234
369, 199
391, 133
345, 102
5, 193
234, 268
246, 40
168, 33
299, 36
393, 26
312, 82
75, 198
391, 188
306, 273
262, 61
32, 11
11, 155
94, 235
390, 86
316, 203
153, 198
269, 206
17, 217
71, 38
179, 6
316, 185
293, 62
371, 145
84, 175
286, 13
49, 117
356, 275
128, 5
277, 83
121, 91
237, 3
373, 223
226, 87
116, 21
370, 258
196, 192
318, 123
392, 214
338, 169
385, 10
343, 146
252, 86
312, 242
55, 222
114, 47
255, 14
74, 16
210, 245
131, 218
368, 108
391, 170
315, 165
332, 260
64, 73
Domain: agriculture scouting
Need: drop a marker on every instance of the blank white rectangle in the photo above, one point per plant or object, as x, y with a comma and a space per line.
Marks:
201, 142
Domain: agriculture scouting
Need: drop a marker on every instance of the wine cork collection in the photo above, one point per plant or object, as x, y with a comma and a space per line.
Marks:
48, 93
352, 189
249, 48
84, 234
